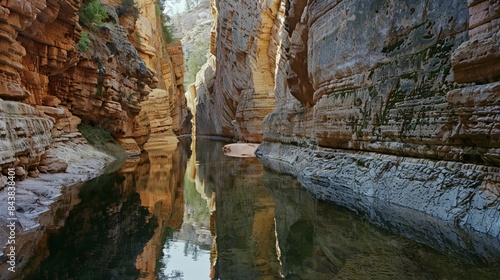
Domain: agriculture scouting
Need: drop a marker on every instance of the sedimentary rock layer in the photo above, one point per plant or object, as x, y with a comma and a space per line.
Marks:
383, 81
23, 131
465, 194
243, 85
413, 83
166, 109
103, 83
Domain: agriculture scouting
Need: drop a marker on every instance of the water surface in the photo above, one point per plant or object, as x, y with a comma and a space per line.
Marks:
189, 212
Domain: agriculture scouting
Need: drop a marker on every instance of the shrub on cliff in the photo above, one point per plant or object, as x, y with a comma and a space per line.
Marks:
196, 57
92, 14
84, 42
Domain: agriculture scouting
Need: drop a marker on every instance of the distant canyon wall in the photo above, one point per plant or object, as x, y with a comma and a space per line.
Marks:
355, 85
236, 90
48, 84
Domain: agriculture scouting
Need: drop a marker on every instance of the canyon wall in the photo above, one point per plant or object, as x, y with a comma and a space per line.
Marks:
397, 101
165, 108
51, 79
238, 91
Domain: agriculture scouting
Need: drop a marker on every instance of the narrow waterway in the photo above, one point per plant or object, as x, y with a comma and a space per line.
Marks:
187, 211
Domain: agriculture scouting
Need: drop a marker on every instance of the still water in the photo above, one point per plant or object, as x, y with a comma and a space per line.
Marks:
188, 212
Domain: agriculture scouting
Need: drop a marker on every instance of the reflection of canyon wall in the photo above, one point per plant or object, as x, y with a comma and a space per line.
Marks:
160, 188
100, 237
324, 241
244, 216
43, 203
119, 220
31, 246
415, 80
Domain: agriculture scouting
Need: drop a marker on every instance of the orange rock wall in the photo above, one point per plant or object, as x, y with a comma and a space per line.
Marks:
42, 66
243, 86
166, 108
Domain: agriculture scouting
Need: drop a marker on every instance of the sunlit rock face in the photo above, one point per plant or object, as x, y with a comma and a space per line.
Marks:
166, 108
243, 88
104, 85
38, 37
44, 67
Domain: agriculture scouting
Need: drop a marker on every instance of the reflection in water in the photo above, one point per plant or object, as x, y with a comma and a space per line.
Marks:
186, 253
184, 212
100, 234
118, 229
267, 226
184, 260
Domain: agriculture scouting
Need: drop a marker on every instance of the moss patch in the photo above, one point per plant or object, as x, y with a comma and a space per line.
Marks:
102, 140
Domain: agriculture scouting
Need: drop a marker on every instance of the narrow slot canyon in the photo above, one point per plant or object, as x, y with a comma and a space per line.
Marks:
277, 139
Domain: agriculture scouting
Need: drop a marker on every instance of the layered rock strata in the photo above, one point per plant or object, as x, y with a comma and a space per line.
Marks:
375, 83
104, 85
166, 108
43, 67
243, 83
24, 137
466, 194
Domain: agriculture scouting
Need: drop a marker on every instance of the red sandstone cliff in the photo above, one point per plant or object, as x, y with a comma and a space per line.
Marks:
48, 85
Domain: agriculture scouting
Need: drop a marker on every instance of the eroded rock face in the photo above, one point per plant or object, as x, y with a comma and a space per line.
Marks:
392, 80
44, 67
388, 79
243, 91
107, 84
104, 85
166, 108
417, 80
24, 136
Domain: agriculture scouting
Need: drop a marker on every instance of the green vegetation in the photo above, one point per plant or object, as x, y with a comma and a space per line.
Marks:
195, 59
101, 139
84, 42
167, 28
92, 14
